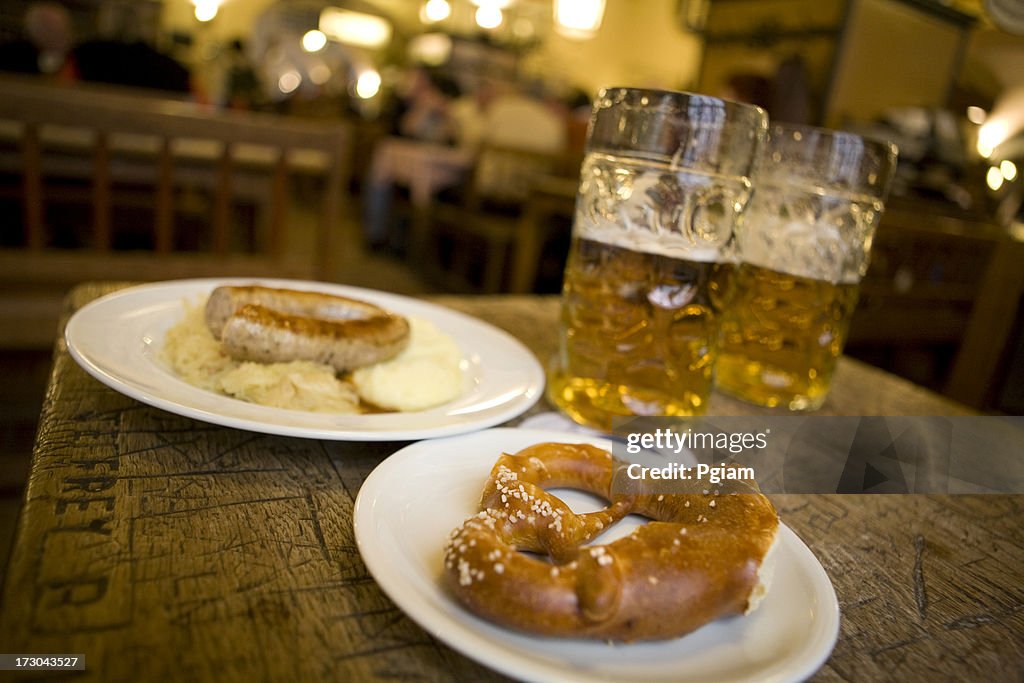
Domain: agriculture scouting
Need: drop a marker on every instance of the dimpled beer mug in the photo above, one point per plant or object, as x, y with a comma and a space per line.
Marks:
664, 179
806, 237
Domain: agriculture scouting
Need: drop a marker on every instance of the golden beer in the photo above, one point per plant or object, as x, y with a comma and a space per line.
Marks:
782, 336
639, 333
664, 181
804, 247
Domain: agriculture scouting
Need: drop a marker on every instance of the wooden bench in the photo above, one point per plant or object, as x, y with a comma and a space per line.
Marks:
216, 191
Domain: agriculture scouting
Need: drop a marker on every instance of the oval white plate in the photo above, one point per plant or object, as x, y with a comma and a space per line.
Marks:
117, 339
411, 501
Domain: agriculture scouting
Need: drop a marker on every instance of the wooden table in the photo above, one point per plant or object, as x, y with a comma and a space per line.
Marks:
425, 168
168, 549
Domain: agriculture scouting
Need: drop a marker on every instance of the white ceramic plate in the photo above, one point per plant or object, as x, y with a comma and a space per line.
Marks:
411, 501
117, 339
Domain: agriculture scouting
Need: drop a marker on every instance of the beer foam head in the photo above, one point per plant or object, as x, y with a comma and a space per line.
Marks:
813, 251
809, 233
656, 207
642, 240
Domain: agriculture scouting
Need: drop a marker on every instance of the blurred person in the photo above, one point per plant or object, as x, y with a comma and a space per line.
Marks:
469, 114
420, 112
519, 121
421, 109
135, 64
46, 48
50, 49
242, 86
791, 92
125, 52
750, 88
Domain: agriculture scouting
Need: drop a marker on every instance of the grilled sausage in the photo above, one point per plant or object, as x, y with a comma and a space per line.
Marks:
279, 325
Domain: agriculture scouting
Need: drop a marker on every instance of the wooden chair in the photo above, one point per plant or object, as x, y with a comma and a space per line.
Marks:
941, 288
551, 202
476, 234
986, 346
173, 176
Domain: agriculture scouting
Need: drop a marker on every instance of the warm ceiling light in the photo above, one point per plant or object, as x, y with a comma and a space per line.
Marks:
489, 16
314, 41
289, 81
994, 178
319, 73
355, 28
433, 11
523, 29
578, 19
991, 135
368, 84
976, 115
1007, 169
432, 49
206, 10
500, 4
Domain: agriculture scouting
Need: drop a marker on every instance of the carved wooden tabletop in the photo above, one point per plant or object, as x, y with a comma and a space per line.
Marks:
168, 549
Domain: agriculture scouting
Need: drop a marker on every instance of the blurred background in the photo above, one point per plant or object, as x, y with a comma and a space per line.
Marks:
427, 146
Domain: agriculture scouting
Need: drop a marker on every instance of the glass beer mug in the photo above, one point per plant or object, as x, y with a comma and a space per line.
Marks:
665, 177
806, 238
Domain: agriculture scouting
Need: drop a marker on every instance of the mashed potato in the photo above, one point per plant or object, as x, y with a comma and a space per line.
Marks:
425, 374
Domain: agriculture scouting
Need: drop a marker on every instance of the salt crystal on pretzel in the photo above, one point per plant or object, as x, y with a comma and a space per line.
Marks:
698, 560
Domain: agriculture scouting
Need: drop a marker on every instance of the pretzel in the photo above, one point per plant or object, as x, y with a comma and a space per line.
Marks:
699, 559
